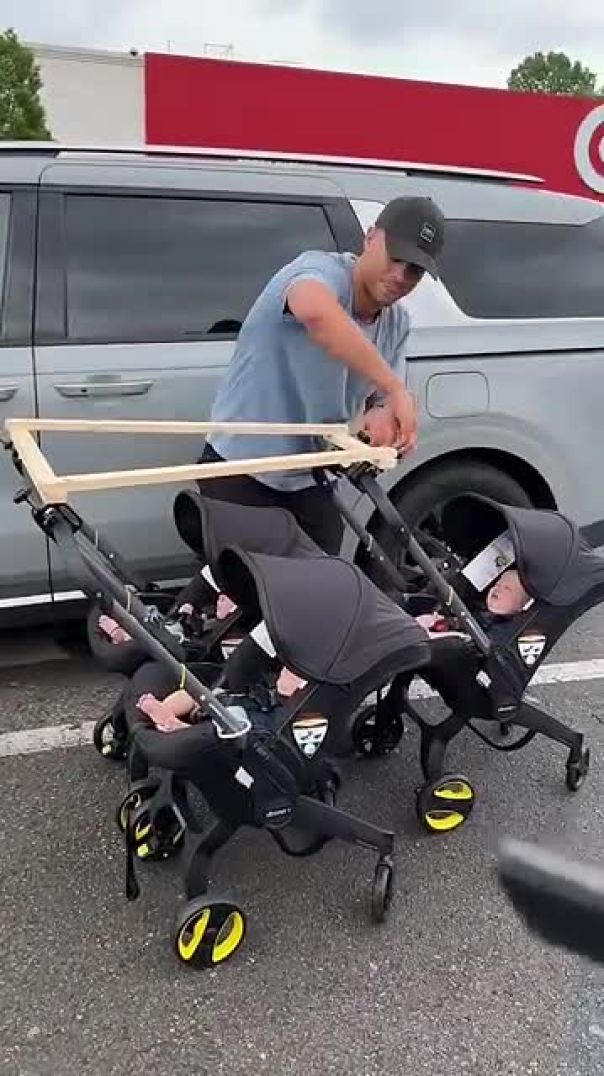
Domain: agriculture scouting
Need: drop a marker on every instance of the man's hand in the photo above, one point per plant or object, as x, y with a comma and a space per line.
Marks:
380, 427
404, 413
393, 425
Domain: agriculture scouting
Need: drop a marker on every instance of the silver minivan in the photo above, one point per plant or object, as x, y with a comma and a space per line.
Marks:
126, 275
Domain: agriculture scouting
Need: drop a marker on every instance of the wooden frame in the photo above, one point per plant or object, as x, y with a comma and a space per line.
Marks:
53, 488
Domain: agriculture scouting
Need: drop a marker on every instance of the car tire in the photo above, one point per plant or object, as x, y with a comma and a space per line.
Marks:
419, 499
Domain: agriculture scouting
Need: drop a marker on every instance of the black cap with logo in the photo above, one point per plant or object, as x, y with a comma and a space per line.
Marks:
415, 231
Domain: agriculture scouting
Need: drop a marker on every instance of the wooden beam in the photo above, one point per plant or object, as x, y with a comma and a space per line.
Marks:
150, 476
50, 487
53, 488
101, 426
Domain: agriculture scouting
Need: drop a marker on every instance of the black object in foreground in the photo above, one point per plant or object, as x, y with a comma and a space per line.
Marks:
559, 898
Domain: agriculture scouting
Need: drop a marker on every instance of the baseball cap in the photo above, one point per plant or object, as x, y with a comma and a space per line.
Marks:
415, 231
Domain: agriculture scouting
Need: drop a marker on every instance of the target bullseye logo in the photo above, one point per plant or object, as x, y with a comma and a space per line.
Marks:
589, 149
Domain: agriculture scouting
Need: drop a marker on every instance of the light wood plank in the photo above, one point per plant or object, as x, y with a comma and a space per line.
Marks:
68, 425
52, 487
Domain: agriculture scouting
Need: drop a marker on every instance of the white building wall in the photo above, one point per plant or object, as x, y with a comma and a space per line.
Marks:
92, 96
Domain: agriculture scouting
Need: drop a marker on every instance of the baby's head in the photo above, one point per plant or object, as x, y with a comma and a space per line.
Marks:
507, 596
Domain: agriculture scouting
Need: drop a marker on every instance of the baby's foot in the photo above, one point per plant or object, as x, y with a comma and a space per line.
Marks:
111, 628
288, 683
224, 607
161, 715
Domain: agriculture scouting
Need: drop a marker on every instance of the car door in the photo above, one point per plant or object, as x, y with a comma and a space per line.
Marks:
142, 287
23, 553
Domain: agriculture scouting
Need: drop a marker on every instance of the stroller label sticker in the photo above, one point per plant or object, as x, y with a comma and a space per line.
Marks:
209, 578
309, 733
244, 777
262, 638
531, 648
491, 562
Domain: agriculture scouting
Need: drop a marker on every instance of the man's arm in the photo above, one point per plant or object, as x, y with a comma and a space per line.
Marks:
329, 326
316, 307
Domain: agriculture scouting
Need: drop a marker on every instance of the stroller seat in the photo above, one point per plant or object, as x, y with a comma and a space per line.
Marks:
335, 629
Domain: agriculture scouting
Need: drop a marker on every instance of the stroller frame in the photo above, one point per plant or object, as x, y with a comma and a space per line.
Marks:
208, 930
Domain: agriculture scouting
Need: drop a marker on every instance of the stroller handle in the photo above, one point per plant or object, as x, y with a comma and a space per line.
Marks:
364, 480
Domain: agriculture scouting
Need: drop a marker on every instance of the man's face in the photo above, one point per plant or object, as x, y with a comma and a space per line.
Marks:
386, 280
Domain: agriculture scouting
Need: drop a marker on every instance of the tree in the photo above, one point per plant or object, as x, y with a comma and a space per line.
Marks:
21, 111
554, 73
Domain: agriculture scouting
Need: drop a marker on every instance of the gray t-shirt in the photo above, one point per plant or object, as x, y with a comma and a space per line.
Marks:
277, 373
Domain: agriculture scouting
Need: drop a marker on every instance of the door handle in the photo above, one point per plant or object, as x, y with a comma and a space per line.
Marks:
104, 389
7, 392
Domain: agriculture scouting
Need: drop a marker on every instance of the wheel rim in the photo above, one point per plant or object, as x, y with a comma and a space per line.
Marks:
210, 934
444, 805
382, 891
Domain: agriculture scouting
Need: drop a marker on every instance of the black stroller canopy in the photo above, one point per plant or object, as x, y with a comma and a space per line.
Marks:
327, 621
208, 525
555, 563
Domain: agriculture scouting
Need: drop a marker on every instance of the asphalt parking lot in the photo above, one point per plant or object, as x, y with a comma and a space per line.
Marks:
451, 982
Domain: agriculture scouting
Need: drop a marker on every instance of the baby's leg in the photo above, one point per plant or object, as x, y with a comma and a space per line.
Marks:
111, 628
180, 703
161, 713
224, 607
288, 683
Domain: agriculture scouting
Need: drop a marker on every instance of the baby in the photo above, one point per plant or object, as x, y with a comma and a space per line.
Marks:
167, 714
117, 634
505, 598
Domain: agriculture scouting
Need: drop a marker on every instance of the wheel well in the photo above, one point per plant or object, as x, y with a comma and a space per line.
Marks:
531, 481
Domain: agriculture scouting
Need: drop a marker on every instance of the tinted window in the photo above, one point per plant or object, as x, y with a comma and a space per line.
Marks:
497, 269
4, 222
141, 268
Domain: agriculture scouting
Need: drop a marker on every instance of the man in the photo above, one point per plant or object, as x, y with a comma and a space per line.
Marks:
325, 338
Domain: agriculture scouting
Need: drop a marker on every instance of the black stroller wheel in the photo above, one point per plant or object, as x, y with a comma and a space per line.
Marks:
381, 892
107, 741
208, 931
137, 795
158, 838
445, 803
372, 740
576, 771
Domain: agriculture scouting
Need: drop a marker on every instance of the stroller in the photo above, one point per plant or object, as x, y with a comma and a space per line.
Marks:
482, 669
271, 774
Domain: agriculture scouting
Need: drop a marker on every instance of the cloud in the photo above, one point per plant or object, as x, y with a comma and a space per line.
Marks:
470, 41
511, 24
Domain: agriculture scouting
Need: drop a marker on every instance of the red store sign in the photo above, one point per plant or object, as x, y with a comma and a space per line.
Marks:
228, 104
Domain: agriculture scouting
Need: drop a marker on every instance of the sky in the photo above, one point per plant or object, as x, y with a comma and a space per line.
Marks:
474, 42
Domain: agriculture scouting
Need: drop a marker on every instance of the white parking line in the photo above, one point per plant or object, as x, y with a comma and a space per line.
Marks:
56, 737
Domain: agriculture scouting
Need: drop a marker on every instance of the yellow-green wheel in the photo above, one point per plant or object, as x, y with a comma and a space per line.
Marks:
446, 803
208, 931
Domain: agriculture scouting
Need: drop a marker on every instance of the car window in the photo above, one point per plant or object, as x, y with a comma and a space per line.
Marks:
5, 201
504, 269
160, 268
